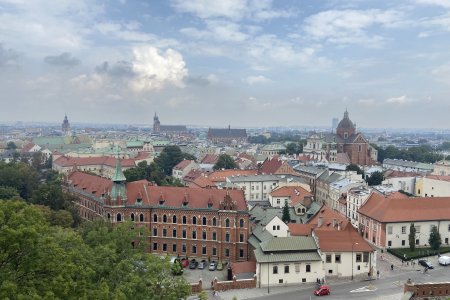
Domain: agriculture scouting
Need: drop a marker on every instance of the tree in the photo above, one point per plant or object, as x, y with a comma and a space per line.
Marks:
353, 167
412, 237
435, 238
170, 157
7, 193
20, 176
11, 146
375, 179
225, 162
37, 160
286, 214
294, 148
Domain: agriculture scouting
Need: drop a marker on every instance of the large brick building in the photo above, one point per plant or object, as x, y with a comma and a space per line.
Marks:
345, 146
201, 223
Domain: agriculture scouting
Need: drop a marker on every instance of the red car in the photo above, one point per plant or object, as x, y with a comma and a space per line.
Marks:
322, 290
184, 262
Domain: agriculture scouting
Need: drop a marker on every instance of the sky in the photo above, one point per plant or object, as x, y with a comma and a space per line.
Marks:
230, 62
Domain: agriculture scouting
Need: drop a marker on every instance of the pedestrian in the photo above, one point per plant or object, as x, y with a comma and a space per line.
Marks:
381, 257
378, 274
402, 261
392, 267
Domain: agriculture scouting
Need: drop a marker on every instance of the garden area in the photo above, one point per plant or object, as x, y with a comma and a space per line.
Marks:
407, 254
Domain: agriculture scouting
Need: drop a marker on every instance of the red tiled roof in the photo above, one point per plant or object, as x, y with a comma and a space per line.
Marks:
345, 240
438, 177
404, 209
297, 229
210, 159
202, 182
270, 165
66, 161
27, 147
192, 175
142, 155
342, 158
296, 193
395, 174
151, 194
328, 216
183, 164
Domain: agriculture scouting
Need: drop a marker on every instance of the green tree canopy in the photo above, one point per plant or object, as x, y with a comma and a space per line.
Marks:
286, 215
11, 146
20, 176
170, 157
435, 240
7, 192
375, 178
225, 162
353, 167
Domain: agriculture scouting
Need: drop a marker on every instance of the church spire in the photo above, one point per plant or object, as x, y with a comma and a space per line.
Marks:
118, 176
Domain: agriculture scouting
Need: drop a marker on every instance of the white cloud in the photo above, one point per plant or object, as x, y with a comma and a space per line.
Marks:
87, 82
443, 3
231, 9
256, 79
155, 71
399, 100
350, 26
223, 31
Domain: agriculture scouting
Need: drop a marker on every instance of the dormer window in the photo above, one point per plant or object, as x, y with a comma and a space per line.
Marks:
210, 204
161, 202
139, 201
345, 135
185, 203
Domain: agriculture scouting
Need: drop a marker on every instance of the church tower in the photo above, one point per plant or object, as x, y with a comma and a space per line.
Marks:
345, 128
156, 124
65, 127
119, 190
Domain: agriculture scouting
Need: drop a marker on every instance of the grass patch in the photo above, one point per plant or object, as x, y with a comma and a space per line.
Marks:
417, 253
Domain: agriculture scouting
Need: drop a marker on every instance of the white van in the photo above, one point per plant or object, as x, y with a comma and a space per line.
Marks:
444, 260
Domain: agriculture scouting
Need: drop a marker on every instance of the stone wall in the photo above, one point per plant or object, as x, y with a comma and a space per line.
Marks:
428, 290
196, 287
234, 284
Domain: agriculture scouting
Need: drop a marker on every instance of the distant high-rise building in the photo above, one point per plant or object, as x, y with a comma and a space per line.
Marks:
334, 124
65, 127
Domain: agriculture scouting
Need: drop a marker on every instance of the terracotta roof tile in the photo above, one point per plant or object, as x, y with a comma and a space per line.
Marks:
296, 193
221, 175
346, 240
67, 161
183, 164
297, 229
210, 159
328, 216
270, 165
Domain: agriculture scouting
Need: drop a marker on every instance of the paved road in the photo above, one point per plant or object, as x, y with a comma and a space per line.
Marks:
390, 287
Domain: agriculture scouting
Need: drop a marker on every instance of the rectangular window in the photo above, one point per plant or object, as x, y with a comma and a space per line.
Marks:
328, 258
274, 227
214, 251
241, 253
155, 231
275, 269
297, 268
164, 232
417, 227
403, 229
389, 243
417, 241
227, 237
204, 235
366, 257
286, 269
174, 232
241, 238
155, 246
183, 248
204, 250
174, 247
194, 234
389, 229
184, 233
358, 257
194, 249
280, 280
164, 247
403, 242
227, 252
337, 258
448, 227
308, 268
214, 237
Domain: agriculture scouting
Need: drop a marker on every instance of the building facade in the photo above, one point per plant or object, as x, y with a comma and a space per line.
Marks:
196, 223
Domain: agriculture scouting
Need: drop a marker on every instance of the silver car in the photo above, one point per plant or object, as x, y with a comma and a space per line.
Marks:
212, 266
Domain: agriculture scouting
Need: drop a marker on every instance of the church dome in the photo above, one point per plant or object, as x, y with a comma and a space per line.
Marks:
346, 123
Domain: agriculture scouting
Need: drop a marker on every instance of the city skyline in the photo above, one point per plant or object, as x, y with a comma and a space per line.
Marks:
248, 63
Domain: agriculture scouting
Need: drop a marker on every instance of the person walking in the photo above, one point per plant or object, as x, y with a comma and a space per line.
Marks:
392, 267
378, 274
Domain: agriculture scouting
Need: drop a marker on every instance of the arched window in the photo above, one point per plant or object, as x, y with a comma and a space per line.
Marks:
164, 219
155, 218
141, 218
108, 216
227, 223
214, 222
119, 217
194, 220
184, 220
132, 217
241, 223
174, 219
204, 221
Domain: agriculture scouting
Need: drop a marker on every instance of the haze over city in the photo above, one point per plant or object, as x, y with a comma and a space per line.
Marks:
244, 63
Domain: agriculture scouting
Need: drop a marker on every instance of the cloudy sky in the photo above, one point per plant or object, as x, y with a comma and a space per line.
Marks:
238, 62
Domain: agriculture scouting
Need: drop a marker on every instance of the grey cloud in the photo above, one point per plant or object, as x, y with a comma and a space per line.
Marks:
119, 69
64, 59
197, 80
8, 56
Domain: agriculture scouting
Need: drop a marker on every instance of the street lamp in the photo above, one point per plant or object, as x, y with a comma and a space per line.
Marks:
352, 257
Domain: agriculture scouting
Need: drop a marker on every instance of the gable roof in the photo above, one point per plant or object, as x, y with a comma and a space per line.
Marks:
270, 165
210, 159
183, 164
290, 243
345, 240
399, 208
296, 193
328, 217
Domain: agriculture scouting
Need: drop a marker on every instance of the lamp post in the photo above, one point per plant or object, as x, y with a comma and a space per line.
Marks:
352, 257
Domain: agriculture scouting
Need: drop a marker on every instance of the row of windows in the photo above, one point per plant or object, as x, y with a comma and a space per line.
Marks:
194, 249
194, 220
287, 269
194, 234
132, 217
417, 227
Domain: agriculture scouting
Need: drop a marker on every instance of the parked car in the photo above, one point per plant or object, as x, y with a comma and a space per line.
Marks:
212, 266
322, 290
219, 266
193, 264
444, 260
201, 265
426, 264
184, 262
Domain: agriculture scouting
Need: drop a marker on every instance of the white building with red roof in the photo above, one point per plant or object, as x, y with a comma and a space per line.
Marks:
385, 220
183, 168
